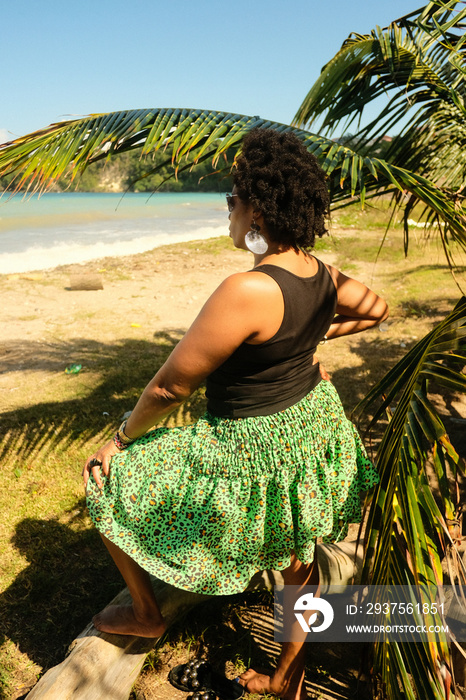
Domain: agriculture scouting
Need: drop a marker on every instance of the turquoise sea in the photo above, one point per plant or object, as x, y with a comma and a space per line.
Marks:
37, 233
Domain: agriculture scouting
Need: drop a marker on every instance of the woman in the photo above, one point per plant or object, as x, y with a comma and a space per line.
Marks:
274, 463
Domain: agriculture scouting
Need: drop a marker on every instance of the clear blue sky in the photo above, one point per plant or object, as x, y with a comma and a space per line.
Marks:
257, 57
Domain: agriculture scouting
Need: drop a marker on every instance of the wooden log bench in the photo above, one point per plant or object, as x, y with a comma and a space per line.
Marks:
103, 666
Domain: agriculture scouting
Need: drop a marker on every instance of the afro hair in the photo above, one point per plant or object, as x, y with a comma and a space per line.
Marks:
279, 177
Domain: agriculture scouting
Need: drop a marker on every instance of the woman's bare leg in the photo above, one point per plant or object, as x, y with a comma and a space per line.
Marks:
143, 618
287, 681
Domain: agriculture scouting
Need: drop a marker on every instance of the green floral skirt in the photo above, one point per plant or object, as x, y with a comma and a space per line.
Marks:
205, 506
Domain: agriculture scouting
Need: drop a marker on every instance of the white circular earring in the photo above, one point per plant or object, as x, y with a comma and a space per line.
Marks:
255, 241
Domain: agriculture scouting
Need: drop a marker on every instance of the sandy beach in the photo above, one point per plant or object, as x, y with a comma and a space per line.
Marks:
161, 289
142, 295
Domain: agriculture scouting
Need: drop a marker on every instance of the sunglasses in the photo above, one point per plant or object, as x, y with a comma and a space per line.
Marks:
230, 201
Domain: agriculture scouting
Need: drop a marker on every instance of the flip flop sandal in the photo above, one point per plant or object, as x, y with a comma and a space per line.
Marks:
190, 676
198, 676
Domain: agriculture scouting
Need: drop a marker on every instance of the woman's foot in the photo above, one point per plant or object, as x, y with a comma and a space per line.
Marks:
122, 619
261, 683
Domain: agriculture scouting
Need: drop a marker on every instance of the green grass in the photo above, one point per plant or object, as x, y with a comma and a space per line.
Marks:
213, 246
52, 561
354, 249
55, 573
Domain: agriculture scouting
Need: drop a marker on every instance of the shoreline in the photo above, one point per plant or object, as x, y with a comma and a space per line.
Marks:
40, 234
119, 249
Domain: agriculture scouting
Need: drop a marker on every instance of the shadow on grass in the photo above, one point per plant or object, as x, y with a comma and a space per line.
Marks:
412, 308
459, 270
376, 356
122, 371
69, 578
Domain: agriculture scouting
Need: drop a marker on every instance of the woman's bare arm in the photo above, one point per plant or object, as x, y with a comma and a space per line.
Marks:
358, 307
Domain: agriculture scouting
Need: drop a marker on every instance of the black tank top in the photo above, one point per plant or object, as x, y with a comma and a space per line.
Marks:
257, 380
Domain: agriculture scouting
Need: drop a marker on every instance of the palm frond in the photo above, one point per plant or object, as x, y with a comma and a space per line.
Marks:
407, 529
418, 63
413, 60
187, 136
37, 160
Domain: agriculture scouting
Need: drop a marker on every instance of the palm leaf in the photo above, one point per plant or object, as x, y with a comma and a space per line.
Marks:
407, 528
418, 64
411, 60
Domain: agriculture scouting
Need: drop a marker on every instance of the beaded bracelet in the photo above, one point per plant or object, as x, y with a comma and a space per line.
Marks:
118, 442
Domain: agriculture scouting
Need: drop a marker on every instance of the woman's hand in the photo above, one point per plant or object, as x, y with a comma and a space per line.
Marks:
323, 372
99, 460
